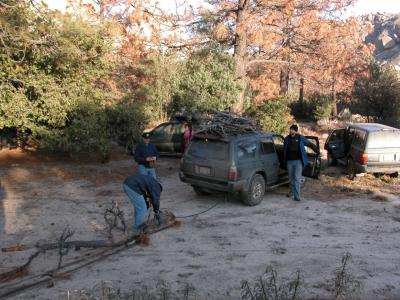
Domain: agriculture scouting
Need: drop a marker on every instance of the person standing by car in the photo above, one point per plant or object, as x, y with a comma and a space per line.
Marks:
146, 155
140, 189
295, 156
187, 135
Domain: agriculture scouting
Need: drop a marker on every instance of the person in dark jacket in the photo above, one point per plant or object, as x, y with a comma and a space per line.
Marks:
146, 155
295, 156
141, 189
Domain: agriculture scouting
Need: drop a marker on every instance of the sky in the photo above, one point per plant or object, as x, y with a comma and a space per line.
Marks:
360, 8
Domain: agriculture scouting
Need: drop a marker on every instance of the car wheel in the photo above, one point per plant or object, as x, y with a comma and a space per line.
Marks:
331, 161
351, 172
255, 192
200, 191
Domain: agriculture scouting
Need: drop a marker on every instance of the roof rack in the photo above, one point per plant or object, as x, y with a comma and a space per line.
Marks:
224, 124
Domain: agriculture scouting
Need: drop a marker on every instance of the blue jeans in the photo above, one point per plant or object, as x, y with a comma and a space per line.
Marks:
147, 171
139, 204
295, 170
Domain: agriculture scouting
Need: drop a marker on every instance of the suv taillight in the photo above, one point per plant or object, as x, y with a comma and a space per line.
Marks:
233, 173
364, 158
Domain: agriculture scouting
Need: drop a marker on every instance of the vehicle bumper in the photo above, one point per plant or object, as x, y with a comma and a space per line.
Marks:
377, 169
226, 186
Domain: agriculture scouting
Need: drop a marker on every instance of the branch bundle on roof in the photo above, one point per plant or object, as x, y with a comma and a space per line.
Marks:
223, 124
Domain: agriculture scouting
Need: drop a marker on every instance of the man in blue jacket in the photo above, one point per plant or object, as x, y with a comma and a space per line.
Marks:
146, 155
141, 189
295, 156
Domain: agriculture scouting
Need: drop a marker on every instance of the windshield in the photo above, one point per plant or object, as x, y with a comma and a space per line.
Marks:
213, 150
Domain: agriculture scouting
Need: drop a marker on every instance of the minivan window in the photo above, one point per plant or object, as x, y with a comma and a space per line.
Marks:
246, 150
214, 150
384, 139
359, 138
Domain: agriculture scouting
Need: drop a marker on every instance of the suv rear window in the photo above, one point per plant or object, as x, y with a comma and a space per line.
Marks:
384, 139
214, 150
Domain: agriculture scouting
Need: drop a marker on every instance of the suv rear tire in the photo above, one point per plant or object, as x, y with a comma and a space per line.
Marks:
255, 193
351, 172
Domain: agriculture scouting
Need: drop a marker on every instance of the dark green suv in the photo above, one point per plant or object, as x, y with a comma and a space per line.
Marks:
245, 164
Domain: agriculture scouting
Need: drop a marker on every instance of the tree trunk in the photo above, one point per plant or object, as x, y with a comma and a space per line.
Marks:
284, 81
301, 96
334, 99
240, 51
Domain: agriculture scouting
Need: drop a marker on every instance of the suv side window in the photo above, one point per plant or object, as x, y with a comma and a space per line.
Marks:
246, 150
359, 138
267, 146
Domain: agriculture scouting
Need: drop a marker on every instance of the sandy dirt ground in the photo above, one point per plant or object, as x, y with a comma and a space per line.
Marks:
214, 251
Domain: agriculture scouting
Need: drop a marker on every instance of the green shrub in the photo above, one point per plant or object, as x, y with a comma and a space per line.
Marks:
272, 115
378, 95
207, 81
316, 108
321, 107
126, 123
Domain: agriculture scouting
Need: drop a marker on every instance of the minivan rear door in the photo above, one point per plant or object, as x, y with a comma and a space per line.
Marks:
335, 143
383, 148
313, 168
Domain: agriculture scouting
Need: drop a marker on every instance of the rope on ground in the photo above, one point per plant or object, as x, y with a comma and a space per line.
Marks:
199, 213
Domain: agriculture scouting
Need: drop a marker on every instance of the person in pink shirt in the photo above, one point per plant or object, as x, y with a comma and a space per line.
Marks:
187, 135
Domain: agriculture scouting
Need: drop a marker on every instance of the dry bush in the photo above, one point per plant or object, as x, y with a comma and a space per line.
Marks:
106, 291
269, 287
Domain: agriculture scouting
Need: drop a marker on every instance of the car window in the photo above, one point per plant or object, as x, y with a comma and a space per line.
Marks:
309, 150
213, 150
384, 139
350, 135
267, 146
359, 138
162, 130
246, 150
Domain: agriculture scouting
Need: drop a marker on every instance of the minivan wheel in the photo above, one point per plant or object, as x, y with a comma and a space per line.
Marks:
331, 161
255, 192
351, 172
200, 191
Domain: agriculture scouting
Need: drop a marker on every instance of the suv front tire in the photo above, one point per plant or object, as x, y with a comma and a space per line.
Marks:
255, 192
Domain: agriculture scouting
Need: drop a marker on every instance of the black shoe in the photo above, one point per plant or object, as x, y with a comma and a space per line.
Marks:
296, 199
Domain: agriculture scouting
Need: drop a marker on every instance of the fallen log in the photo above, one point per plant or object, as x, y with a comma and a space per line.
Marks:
168, 220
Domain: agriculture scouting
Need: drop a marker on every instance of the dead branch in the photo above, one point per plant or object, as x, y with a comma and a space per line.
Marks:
62, 248
114, 217
62, 243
